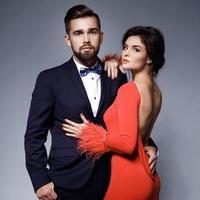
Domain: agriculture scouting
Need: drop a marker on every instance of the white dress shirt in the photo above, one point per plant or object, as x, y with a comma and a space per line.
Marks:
92, 84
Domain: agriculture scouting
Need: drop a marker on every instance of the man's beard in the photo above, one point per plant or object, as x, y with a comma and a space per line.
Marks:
87, 58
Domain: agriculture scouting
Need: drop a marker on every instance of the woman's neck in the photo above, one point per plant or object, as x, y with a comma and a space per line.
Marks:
145, 73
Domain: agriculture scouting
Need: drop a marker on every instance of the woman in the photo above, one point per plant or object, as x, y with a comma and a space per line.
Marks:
129, 120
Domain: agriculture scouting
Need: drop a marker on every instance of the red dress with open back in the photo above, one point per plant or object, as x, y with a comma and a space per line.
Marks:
131, 177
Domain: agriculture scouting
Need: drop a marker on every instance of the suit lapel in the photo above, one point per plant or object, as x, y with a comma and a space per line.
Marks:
103, 88
78, 84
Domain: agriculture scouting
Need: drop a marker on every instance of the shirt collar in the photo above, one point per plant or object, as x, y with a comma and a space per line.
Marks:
79, 65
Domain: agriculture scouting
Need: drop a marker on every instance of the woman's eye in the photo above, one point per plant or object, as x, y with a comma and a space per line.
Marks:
135, 49
124, 47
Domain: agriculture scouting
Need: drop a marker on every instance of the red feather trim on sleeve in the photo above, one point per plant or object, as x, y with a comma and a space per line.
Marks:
91, 141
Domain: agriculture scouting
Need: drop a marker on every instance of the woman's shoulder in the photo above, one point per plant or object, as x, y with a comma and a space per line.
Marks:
129, 90
150, 95
144, 87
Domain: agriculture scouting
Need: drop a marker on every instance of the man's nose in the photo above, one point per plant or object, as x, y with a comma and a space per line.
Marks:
86, 37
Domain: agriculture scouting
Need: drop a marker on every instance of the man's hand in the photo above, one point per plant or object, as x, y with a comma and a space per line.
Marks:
152, 154
46, 192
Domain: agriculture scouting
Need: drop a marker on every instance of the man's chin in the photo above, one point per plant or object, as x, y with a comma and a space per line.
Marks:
87, 56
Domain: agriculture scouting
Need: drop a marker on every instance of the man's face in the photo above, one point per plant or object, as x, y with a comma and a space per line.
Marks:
84, 38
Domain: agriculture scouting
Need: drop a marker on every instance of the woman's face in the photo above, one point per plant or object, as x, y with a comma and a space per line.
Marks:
134, 54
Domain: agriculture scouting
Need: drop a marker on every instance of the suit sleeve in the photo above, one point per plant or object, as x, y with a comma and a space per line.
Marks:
39, 121
96, 140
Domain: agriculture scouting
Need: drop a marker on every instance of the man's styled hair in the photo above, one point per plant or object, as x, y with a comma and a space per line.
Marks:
79, 11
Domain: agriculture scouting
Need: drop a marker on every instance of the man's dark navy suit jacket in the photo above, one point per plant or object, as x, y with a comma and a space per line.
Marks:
59, 93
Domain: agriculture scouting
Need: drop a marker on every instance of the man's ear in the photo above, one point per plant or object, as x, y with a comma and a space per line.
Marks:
101, 37
67, 40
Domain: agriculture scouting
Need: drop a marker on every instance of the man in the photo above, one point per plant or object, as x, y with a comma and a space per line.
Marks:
64, 92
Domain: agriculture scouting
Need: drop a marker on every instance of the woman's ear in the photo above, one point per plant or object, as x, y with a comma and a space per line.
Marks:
149, 61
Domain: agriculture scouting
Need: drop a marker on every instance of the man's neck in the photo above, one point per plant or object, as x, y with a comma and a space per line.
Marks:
87, 63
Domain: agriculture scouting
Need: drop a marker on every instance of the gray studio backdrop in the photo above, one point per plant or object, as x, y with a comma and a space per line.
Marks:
31, 39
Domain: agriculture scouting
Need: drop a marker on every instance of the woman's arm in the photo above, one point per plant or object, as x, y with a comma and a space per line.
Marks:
95, 140
127, 106
112, 64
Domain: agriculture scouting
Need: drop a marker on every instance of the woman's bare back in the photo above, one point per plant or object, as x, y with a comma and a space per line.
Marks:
150, 104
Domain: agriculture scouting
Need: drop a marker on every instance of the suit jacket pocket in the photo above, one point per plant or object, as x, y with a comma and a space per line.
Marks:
63, 152
61, 158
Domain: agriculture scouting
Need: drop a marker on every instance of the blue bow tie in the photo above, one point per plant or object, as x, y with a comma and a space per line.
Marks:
96, 69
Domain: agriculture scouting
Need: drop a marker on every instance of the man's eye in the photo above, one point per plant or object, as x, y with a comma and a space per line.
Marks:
94, 32
77, 33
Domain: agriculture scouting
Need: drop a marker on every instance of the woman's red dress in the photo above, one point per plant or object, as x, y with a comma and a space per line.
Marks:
131, 177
